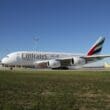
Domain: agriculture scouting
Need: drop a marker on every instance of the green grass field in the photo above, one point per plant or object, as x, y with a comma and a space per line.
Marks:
54, 90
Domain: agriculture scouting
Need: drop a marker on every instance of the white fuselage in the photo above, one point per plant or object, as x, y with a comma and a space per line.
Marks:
27, 58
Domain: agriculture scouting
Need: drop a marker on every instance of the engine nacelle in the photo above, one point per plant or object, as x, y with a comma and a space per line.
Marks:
54, 64
48, 64
78, 61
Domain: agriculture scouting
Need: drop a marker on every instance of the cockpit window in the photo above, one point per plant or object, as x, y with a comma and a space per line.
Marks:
7, 56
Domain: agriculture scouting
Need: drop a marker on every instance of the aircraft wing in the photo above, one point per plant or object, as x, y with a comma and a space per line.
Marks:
71, 60
54, 63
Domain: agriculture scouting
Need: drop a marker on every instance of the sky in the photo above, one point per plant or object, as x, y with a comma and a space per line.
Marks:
53, 25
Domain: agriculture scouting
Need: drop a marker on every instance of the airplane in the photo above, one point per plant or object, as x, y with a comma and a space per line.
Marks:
54, 60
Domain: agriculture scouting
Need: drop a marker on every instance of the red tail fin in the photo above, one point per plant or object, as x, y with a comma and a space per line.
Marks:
97, 47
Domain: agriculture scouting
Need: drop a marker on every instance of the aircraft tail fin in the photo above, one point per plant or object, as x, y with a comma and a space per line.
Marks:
97, 47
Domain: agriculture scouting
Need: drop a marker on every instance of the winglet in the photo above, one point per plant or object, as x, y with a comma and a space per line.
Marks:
97, 47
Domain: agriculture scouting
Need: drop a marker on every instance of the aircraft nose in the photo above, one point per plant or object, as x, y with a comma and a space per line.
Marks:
4, 61
9, 60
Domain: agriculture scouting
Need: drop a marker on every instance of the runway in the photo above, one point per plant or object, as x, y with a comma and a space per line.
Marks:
35, 69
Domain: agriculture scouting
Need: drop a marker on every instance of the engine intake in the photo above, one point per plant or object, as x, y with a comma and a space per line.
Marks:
78, 61
54, 64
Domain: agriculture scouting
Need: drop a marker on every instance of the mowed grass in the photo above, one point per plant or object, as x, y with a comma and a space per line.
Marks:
54, 90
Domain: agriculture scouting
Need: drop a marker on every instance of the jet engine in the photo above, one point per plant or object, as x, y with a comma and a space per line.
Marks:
48, 64
54, 64
78, 61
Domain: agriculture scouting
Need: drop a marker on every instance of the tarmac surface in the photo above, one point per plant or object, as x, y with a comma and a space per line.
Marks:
34, 69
